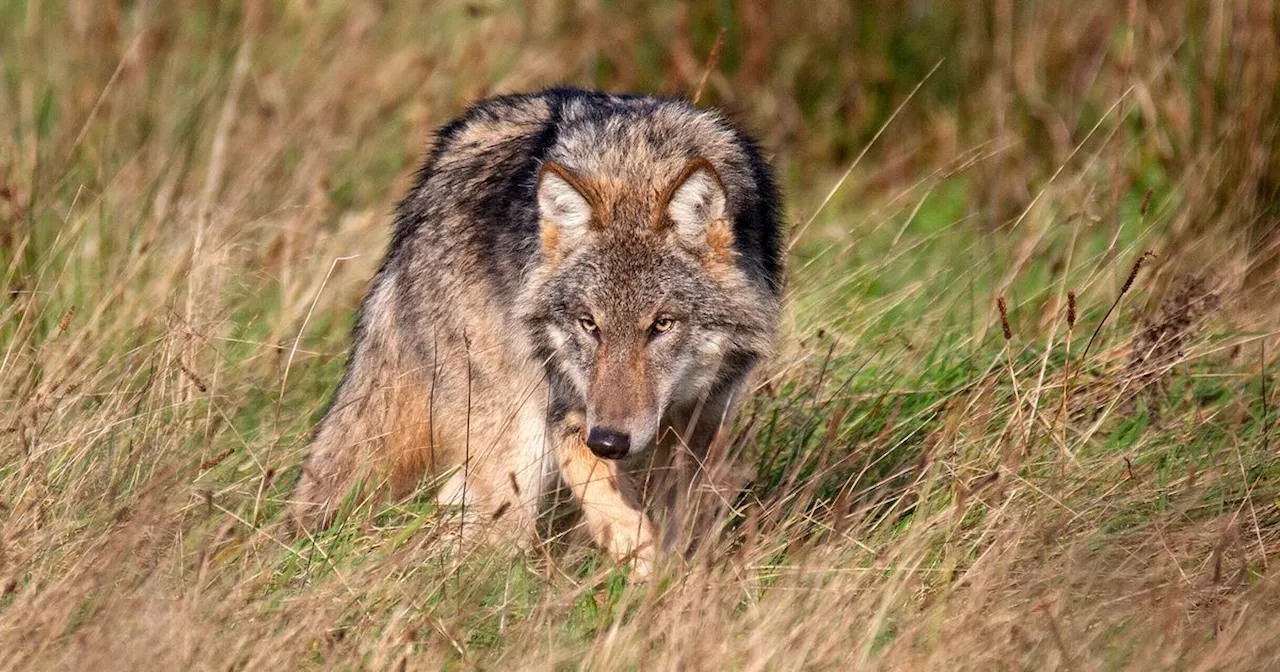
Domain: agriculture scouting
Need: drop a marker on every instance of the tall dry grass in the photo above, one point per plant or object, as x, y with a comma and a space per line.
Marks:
194, 194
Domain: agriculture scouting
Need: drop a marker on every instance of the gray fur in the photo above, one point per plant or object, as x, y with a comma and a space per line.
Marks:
471, 349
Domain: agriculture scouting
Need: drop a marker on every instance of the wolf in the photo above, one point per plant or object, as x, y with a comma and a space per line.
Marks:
577, 290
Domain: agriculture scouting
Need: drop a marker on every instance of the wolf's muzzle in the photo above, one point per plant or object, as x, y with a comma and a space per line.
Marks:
608, 443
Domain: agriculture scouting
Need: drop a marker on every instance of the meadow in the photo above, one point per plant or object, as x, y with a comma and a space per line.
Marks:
1023, 412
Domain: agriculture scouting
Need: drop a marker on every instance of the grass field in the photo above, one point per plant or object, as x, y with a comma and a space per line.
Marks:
193, 196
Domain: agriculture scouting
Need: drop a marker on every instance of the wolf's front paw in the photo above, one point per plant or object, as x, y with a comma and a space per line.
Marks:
632, 541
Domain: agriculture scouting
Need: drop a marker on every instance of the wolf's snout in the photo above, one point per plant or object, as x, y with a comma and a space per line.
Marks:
608, 443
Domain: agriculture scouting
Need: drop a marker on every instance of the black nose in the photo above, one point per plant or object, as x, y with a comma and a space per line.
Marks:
608, 443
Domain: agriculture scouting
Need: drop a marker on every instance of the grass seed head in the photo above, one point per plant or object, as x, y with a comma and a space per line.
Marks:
1133, 273
66, 319
1004, 318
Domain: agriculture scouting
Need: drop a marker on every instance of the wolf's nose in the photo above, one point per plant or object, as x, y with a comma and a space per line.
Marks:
608, 443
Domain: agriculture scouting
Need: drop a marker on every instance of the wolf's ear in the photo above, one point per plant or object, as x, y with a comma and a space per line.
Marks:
695, 202
564, 207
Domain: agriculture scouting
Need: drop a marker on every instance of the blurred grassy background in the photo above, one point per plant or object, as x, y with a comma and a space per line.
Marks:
193, 196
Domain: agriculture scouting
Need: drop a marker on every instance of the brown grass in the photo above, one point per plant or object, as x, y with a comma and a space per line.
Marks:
193, 196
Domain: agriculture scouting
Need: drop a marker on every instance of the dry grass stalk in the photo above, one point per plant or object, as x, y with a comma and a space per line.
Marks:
889, 514
1128, 284
712, 59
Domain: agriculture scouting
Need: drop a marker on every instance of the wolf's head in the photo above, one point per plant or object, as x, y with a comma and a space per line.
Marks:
639, 298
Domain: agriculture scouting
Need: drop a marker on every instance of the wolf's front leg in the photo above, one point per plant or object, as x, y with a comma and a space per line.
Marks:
609, 504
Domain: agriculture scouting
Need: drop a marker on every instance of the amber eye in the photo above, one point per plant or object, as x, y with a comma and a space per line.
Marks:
663, 324
588, 325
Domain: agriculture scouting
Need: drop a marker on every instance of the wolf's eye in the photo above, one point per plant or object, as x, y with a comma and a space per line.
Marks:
662, 325
588, 325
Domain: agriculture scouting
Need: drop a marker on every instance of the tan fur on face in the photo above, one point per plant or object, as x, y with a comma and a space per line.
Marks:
720, 242
549, 238
622, 387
